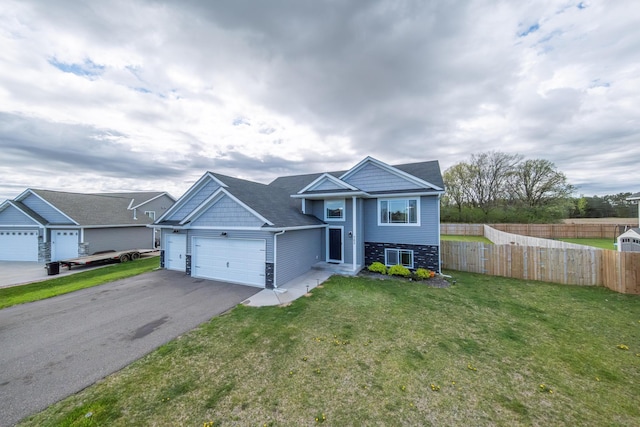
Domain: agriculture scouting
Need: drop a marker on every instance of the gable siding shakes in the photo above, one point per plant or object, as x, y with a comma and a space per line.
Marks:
13, 216
207, 190
227, 213
372, 178
45, 210
425, 234
326, 185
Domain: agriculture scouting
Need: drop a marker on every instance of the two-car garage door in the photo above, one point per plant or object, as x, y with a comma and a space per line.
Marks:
19, 245
229, 260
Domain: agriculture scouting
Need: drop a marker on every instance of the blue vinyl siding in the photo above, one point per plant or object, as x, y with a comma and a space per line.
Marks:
298, 251
13, 216
205, 192
372, 178
227, 213
45, 210
426, 234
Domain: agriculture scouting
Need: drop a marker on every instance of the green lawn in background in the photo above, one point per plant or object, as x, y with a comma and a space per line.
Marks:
597, 243
65, 284
487, 351
457, 238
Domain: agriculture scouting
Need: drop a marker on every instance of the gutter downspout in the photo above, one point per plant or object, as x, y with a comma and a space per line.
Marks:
275, 256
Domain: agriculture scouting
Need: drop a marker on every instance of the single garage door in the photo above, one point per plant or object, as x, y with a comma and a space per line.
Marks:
18, 245
229, 260
64, 244
175, 252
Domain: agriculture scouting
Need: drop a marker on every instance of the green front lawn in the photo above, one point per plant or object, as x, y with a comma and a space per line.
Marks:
597, 243
487, 351
65, 284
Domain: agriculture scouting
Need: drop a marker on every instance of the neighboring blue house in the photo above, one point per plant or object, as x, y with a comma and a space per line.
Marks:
234, 230
44, 225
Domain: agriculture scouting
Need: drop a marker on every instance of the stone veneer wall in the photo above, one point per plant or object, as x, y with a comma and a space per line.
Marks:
83, 249
162, 258
44, 251
424, 256
269, 275
188, 264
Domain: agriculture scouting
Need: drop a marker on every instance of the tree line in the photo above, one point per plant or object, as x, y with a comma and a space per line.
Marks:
500, 187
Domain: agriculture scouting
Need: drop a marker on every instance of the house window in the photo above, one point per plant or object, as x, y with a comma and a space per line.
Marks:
402, 257
399, 212
151, 214
334, 210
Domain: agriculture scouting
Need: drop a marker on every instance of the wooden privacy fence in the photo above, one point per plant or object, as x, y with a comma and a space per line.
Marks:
503, 238
546, 231
619, 271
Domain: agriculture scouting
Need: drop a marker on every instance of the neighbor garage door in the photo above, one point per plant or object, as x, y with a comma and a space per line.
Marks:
229, 260
19, 245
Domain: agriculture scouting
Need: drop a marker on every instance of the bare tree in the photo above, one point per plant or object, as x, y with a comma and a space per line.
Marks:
537, 182
490, 173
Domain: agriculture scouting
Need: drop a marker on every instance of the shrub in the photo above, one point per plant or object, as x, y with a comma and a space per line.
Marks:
423, 274
378, 267
398, 270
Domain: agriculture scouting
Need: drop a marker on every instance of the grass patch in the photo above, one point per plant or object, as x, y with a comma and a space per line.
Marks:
596, 243
457, 238
62, 285
486, 351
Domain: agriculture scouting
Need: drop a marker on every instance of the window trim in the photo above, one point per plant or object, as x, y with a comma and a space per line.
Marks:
344, 209
151, 212
399, 224
398, 253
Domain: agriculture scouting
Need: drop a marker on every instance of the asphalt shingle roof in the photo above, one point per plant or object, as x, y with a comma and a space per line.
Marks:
426, 171
272, 203
98, 209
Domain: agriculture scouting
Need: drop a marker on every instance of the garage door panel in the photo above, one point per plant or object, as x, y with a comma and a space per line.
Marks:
231, 260
19, 245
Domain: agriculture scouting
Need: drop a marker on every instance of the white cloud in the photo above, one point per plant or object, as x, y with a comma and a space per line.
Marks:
150, 94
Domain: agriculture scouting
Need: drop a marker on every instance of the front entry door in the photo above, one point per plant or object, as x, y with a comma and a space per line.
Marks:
335, 245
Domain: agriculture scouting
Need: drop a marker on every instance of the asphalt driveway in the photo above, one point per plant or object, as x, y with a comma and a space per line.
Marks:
53, 348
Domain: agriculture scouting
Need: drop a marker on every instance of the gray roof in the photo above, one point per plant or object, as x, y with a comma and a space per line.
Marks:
634, 196
137, 197
272, 203
98, 209
426, 171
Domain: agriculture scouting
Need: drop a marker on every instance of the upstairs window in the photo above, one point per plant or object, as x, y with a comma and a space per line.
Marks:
151, 214
334, 210
399, 212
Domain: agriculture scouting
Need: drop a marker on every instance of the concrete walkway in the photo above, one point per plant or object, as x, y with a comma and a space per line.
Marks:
289, 291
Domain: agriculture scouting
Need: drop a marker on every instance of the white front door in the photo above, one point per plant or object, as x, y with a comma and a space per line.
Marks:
230, 260
175, 254
64, 244
18, 245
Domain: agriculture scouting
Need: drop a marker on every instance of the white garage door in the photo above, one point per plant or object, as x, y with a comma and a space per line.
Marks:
229, 260
175, 252
64, 244
19, 245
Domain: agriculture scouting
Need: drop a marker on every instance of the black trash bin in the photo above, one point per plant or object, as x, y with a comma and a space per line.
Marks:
53, 268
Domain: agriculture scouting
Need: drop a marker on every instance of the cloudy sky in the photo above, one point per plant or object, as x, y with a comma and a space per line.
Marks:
148, 95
